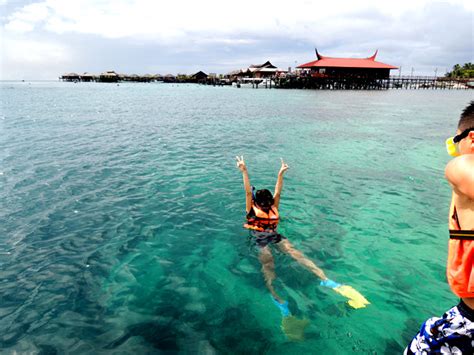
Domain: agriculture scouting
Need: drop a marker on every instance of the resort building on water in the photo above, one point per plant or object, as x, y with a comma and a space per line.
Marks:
258, 71
331, 67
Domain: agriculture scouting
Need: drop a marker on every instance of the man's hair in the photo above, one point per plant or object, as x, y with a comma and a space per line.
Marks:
467, 117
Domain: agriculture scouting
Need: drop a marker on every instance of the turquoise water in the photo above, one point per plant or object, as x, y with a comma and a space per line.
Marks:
121, 216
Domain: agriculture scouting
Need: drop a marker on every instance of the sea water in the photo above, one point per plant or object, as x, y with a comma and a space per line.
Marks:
121, 213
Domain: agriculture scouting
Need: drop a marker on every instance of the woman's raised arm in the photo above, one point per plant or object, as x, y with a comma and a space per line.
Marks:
279, 183
248, 190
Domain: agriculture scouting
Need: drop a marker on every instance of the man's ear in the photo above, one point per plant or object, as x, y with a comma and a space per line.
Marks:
471, 135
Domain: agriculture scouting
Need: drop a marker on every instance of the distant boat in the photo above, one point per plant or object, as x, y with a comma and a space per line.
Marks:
251, 82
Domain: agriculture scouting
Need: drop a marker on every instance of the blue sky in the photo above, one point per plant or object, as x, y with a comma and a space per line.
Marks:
44, 39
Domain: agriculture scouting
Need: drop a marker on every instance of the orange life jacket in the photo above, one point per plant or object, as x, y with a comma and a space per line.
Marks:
259, 220
460, 268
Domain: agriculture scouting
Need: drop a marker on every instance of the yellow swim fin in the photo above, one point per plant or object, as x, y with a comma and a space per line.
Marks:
356, 300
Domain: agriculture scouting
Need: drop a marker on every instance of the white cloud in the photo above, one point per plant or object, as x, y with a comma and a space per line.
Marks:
27, 18
31, 59
195, 33
169, 20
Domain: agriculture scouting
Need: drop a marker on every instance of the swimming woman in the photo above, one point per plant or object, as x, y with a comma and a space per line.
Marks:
262, 221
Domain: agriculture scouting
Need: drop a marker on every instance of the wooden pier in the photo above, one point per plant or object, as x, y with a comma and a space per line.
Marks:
393, 82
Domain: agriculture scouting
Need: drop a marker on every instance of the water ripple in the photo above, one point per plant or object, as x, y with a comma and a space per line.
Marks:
122, 209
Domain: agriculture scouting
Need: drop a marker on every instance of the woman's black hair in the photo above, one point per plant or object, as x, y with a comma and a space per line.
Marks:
264, 198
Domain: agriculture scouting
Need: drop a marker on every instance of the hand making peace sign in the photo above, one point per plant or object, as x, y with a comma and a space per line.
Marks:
284, 166
240, 163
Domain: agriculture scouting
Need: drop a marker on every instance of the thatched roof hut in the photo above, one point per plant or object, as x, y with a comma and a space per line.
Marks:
169, 78
199, 76
87, 77
71, 77
109, 77
147, 78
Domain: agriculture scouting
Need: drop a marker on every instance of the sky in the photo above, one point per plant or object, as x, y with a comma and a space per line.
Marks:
44, 39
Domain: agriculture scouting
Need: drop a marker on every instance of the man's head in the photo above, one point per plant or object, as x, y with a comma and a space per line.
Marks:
264, 198
465, 134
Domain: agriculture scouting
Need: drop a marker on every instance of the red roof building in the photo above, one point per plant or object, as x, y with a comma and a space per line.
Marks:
348, 67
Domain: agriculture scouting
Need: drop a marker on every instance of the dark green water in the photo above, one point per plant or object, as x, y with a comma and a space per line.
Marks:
121, 216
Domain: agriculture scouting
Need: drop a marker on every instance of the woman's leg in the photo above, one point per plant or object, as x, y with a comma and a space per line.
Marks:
356, 300
286, 247
268, 269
